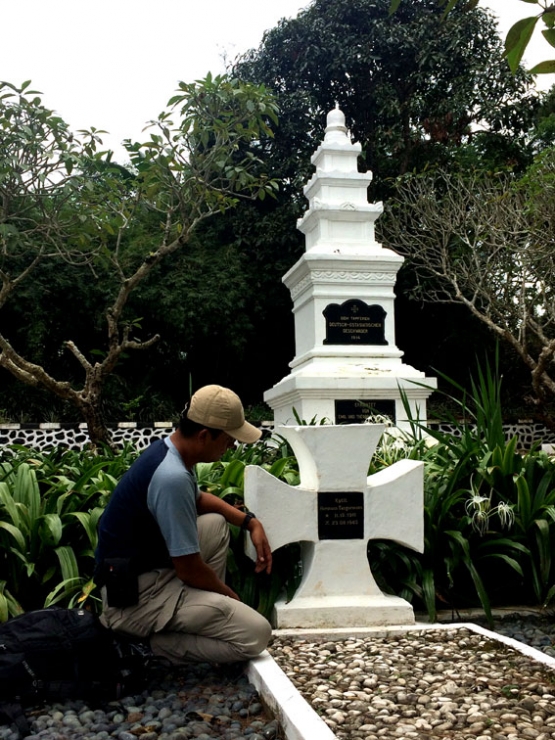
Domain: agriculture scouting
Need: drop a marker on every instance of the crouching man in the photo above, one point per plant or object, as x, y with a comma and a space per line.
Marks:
162, 547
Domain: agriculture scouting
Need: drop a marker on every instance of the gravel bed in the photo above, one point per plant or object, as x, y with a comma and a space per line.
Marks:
423, 684
426, 684
200, 701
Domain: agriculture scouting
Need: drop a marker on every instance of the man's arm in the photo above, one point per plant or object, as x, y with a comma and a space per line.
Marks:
207, 503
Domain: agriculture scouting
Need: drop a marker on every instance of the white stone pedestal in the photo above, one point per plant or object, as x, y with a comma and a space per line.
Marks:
343, 611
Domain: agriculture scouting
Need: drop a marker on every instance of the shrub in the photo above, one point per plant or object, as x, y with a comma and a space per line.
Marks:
489, 514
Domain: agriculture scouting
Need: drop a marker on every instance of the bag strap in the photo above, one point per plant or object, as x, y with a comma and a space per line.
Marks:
12, 711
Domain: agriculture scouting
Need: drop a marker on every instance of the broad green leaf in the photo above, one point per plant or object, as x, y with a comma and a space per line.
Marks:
63, 590
68, 562
4, 612
6, 499
9, 607
89, 525
233, 474
517, 40
16, 534
86, 591
514, 564
460, 539
547, 67
393, 6
26, 491
279, 466
524, 502
51, 529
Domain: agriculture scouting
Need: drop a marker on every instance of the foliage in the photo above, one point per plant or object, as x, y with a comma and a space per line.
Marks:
417, 91
415, 87
485, 242
519, 35
489, 515
64, 203
50, 504
229, 274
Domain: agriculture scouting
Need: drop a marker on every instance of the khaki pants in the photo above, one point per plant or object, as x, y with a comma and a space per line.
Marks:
186, 624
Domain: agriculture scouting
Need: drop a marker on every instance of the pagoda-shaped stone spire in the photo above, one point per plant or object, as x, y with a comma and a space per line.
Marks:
339, 216
343, 295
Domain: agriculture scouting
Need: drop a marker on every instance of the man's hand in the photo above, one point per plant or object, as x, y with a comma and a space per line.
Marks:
207, 502
261, 545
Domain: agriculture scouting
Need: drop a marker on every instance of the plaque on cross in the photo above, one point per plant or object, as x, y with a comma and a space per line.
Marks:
333, 513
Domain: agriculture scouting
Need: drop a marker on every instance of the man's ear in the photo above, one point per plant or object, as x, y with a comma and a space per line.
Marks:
203, 435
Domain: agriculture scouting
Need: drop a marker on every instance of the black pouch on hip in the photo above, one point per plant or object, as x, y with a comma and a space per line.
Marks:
121, 581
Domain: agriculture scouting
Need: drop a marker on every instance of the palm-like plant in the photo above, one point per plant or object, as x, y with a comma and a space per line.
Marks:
50, 504
489, 513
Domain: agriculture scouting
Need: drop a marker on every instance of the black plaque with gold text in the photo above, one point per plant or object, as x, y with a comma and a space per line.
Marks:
354, 322
341, 515
357, 412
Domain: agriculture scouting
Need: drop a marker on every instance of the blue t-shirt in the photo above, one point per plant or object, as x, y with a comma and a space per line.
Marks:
151, 516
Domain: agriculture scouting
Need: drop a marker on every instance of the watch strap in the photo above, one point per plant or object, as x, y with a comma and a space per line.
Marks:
245, 523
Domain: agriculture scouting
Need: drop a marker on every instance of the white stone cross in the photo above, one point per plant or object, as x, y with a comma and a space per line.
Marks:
333, 513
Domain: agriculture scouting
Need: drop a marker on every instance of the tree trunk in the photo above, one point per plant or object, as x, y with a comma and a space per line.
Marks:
99, 434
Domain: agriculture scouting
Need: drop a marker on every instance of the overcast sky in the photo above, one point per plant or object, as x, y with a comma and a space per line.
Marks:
113, 64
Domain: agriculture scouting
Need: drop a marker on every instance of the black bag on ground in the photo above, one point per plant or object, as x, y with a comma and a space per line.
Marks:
55, 654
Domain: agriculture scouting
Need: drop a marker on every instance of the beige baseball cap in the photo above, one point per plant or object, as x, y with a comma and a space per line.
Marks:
220, 408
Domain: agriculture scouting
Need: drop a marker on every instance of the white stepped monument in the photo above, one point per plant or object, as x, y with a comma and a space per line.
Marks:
347, 365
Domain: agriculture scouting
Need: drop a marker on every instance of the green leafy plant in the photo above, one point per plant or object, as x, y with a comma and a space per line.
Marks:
489, 511
50, 504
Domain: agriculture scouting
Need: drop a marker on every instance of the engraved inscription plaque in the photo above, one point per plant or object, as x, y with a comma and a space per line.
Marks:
340, 515
356, 412
354, 322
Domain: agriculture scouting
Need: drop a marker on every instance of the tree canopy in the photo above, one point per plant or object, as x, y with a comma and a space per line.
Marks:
65, 204
414, 86
419, 90
111, 275
486, 243
519, 35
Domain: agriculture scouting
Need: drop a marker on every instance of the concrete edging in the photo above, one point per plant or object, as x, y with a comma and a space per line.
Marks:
298, 719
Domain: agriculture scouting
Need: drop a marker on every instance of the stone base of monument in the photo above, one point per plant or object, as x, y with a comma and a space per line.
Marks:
349, 392
343, 611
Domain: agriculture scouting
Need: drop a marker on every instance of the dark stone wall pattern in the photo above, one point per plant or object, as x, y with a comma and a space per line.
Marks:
74, 436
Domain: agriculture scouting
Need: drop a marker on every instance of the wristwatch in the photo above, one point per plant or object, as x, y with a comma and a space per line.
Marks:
245, 523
